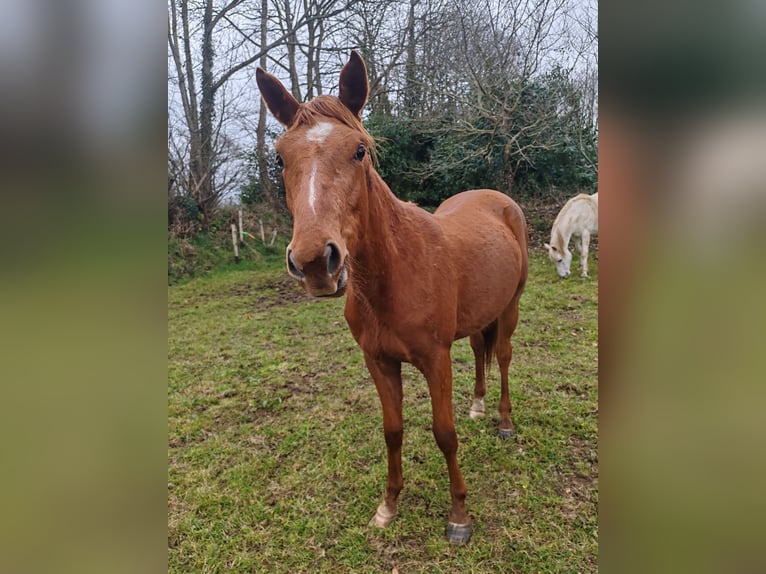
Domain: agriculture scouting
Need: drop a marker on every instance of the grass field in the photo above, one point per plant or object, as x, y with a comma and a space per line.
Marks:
275, 445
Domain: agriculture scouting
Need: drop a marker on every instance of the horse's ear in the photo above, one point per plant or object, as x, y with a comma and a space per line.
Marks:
353, 84
281, 102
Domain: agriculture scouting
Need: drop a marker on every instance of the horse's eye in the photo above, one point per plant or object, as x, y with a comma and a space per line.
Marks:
360, 152
280, 162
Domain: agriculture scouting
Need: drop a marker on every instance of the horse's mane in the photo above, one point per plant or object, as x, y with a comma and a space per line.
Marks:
557, 238
331, 107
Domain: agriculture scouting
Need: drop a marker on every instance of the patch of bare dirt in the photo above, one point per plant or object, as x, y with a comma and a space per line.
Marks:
286, 291
540, 216
540, 344
307, 385
578, 485
572, 389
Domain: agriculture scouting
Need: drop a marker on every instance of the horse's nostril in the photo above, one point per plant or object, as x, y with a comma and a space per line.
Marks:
292, 267
332, 253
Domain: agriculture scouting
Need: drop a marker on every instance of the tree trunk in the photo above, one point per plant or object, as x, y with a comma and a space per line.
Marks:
410, 81
206, 191
260, 144
292, 41
308, 6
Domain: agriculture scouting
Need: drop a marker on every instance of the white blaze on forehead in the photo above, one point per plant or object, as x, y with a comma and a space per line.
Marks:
312, 188
319, 132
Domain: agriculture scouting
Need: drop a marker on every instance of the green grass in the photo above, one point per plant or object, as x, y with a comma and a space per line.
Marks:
276, 452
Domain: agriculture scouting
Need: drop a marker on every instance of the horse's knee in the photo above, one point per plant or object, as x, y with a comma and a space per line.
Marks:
446, 438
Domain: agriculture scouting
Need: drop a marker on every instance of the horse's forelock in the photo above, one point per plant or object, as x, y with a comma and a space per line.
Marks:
310, 113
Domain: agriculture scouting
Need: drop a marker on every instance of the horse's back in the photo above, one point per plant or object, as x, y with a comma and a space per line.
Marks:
479, 216
579, 213
486, 234
479, 205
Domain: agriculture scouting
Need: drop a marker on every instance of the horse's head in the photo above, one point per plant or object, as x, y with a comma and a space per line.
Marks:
561, 259
324, 157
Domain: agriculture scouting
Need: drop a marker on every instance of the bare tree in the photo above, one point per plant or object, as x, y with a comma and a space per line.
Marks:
206, 146
209, 43
455, 68
498, 84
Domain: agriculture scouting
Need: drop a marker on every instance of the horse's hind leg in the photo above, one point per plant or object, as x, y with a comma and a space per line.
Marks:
585, 239
506, 325
480, 389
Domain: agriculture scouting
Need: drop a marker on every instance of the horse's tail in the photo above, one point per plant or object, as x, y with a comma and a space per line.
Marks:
490, 340
517, 222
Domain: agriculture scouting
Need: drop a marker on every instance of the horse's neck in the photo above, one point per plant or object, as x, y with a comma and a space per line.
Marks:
385, 229
384, 212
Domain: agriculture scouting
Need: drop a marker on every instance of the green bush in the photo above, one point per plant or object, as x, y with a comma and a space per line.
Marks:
212, 250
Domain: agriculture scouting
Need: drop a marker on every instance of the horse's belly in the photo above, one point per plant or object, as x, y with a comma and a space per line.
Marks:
487, 284
485, 256
476, 312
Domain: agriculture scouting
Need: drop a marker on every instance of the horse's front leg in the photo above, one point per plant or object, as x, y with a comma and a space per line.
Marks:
438, 373
387, 375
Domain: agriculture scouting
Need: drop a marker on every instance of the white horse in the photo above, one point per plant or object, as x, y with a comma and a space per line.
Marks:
579, 219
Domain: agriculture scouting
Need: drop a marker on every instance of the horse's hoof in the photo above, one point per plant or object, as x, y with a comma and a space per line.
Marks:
458, 533
476, 414
506, 433
383, 516
477, 409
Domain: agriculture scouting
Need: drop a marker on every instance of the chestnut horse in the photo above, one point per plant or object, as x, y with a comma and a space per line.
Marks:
415, 282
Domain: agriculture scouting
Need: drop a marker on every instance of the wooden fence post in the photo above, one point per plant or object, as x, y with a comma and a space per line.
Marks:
234, 242
241, 230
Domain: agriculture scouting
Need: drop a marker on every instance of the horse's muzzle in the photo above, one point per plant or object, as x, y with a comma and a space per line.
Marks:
323, 276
